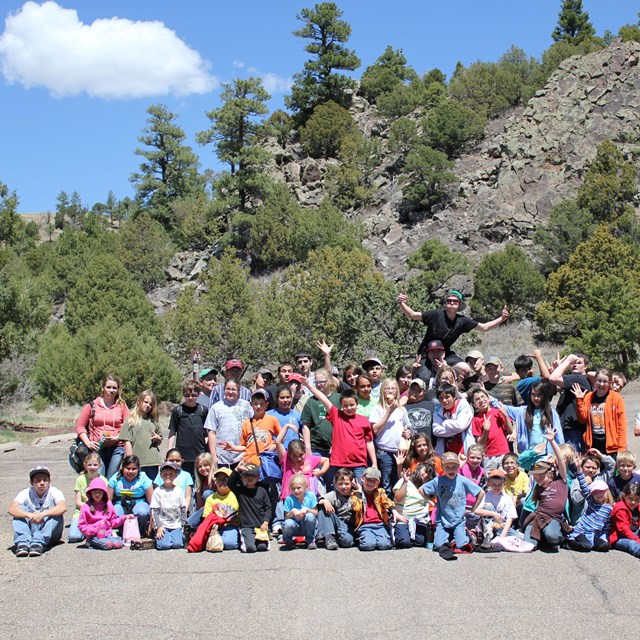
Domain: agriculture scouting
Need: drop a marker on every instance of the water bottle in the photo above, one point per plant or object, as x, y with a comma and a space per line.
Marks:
428, 536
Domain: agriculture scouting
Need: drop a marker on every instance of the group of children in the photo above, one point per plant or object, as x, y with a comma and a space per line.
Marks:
456, 511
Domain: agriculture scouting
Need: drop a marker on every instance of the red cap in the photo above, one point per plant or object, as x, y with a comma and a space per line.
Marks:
230, 364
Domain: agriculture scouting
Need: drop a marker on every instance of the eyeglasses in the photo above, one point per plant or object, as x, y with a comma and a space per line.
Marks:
191, 395
453, 301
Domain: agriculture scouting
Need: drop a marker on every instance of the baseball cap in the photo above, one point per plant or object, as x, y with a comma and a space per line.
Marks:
295, 377
435, 345
496, 473
420, 382
170, 465
251, 470
370, 361
493, 360
598, 485
541, 466
39, 469
454, 293
230, 364
372, 473
261, 392
224, 470
449, 456
206, 372
475, 354
264, 371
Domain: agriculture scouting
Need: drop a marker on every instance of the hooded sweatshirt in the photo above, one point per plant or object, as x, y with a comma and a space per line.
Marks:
103, 519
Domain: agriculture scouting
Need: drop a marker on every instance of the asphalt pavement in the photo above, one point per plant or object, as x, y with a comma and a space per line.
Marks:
76, 592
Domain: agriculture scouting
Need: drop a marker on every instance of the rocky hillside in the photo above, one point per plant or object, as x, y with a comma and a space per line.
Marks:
530, 159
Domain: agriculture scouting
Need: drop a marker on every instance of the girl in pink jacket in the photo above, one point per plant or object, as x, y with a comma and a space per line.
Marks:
98, 518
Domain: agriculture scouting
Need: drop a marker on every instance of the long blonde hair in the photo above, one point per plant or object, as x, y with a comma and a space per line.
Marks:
386, 383
114, 378
208, 458
136, 416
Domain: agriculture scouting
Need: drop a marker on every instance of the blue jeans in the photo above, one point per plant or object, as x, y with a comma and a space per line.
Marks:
140, 509
373, 536
332, 525
388, 470
75, 535
552, 533
628, 546
47, 533
105, 544
305, 527
172, 539
443, 535
111, 458
402, 535
230, 537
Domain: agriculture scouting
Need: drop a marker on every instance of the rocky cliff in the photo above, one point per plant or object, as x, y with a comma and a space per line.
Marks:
530, 159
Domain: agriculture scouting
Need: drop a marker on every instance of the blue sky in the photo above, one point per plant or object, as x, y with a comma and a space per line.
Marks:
76, 77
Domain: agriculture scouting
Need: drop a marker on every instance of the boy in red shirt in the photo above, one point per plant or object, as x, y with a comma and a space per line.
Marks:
352, 438
491, 428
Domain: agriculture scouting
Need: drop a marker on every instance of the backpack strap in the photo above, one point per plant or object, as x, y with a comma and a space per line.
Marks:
255, 442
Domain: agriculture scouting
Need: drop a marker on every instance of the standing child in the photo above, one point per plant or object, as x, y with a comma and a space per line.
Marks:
91, 465
168, 509
372, 508
300, 512
451, 490
336, 519
491, 428
624, 521
186, 426
452, 421
285, 415
255, 507
352, 437
98, 518
141, 433
37, 514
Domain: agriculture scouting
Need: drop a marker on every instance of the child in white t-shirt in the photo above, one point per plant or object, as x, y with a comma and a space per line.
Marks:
168, 509
497, 509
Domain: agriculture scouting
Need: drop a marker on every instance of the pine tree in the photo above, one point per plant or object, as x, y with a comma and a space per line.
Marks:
573, 25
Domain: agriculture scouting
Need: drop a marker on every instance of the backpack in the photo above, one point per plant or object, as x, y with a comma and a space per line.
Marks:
78, 451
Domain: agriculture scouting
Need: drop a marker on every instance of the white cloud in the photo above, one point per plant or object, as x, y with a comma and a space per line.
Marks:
274, 83
238, 64
48, 46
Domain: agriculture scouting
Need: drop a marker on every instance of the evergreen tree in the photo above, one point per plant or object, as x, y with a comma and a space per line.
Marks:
170, 168
573, 25
389, 71
234, 133
318, 81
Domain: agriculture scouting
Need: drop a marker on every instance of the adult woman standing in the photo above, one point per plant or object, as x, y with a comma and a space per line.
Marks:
603, 412
100, 423
224, 424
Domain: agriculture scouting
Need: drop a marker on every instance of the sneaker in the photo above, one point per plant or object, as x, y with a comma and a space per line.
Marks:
330, 543
464, 550
22, 550
312, 545
289, 546
276, 530
35, 550
446, 552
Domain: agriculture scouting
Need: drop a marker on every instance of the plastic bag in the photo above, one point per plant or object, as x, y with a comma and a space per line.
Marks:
513, 544
214, 542
130, 531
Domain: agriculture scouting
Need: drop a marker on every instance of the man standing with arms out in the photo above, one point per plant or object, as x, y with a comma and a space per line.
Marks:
447, 325
232, 371
578, 364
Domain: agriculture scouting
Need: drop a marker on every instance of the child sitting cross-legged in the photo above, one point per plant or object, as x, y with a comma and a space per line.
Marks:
372, 509
301, 513
624, 521
335, 513
451, 489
